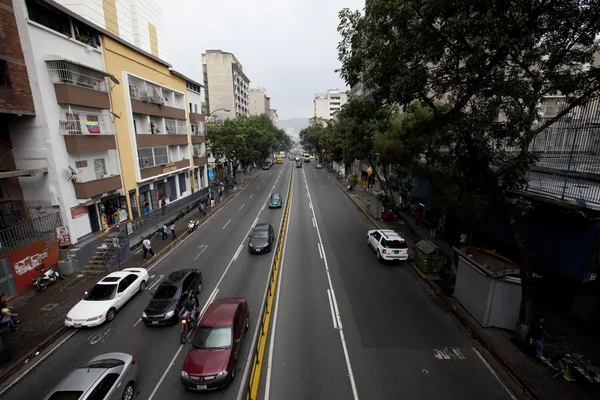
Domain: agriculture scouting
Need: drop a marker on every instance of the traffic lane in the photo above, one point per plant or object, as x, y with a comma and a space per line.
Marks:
79, 348
400, 340
307, 357
247, 278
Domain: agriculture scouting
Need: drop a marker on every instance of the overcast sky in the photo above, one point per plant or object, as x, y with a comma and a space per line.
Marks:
289, 47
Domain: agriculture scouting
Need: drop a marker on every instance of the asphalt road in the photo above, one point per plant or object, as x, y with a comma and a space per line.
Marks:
346, 326
227, 273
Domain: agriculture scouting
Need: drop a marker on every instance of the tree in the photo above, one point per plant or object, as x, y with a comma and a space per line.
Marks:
490, 64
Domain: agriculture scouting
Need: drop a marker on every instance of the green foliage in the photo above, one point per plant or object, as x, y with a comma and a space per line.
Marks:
354, 179
246, 139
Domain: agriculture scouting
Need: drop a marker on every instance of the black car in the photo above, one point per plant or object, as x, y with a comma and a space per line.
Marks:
298, 164
170, 295
261, 238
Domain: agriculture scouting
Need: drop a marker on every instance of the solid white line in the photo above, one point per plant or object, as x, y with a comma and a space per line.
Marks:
251, 195
156, 282
313, 221
254, 223
512, 396
38, 362
199, 254
237, 253
335, 306
137, 322
225, 226
342, 337
242, 206
276, 312
335, 326
319, 247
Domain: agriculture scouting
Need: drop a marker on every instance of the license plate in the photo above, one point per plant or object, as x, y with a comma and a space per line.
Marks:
201, 387
76, 325
396, 252
154, 322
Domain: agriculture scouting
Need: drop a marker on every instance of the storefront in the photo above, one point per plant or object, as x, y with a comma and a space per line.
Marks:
112, 209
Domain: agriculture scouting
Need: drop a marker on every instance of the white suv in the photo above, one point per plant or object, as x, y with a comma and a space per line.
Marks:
388, 244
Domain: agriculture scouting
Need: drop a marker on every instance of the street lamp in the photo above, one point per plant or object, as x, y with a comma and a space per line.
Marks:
219, 109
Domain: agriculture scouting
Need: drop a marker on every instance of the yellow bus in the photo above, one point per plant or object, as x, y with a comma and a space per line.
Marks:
279, 159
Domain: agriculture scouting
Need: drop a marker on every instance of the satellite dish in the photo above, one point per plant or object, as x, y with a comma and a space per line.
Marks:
74, 173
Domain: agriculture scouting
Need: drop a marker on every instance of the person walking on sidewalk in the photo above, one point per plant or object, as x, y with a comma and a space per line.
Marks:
163, 203
212, 201
201, 209
4, 304
147, 247
536, 337
146, 208
221, 195
7, 321
164, 231
173, 231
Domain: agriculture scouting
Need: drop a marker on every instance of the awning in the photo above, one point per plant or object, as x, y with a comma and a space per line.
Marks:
51, 57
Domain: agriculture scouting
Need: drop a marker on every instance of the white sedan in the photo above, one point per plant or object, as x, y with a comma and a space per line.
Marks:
101, 303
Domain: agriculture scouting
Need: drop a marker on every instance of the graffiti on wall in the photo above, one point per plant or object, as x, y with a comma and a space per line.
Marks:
30, 262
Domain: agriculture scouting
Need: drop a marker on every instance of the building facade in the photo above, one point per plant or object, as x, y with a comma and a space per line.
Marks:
274, 117
260, 103
139, 22
226, 86
326, 104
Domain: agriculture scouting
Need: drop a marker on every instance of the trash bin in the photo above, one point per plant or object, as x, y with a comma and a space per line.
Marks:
429, 258
67, 267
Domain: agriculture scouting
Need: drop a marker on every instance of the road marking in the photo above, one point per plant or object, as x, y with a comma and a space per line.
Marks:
137, 322
448, 354
335, 326
98, 337
319, 247
487, 364
340, 330
17, 379
199, 254
251, 195
313, 221
237, 253
258, 188
242, 206
225, 226
155, 282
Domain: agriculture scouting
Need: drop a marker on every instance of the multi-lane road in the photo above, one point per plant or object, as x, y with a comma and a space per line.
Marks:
344, 326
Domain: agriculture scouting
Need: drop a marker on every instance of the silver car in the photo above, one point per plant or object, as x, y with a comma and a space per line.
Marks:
110, 376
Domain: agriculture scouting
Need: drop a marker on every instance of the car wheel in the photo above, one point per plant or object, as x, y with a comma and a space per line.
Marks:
233, 370
248, 321
199, 288
378, 255
142, 286
110, 315
128, 392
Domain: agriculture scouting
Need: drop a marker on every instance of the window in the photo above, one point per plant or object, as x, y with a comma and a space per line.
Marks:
102, 389
394, 244
209, 337
45, 15
131, 278
123, 285
161, 155
182, 187
196, 108
4, 75
81, 164
146, 157
151, 156
100, 168
191, 109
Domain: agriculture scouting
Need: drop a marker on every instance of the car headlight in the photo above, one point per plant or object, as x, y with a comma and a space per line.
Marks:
144, 315
249, 244
94, 318
69, 319
184, 375
169, 314
222, 374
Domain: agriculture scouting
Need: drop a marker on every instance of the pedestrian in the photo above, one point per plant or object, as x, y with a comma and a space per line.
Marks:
7, 321
163, 203
4, 304
146, 208
173, 231
220, 196
164, 231
536, 337
212, 202
463, 239
201, 209
147, 246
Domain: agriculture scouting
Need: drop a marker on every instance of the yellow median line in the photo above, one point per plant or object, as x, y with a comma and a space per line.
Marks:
259, 354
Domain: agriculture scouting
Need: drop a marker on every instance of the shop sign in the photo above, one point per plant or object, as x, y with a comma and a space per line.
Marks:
78, 211
211, 174
62, 233
123, 215
169, 168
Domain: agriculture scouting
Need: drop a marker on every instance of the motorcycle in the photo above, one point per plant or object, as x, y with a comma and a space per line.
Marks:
193, 224
46, 278
187, 326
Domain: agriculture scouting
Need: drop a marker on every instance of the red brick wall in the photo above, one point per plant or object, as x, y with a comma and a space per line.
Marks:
23, 262
17, 99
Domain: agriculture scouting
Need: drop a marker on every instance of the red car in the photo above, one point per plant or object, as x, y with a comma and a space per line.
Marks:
211, 361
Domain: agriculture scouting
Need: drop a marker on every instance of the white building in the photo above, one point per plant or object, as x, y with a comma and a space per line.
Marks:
260, 103
72, 134
226, 87
274, 117
140, 22
326, 104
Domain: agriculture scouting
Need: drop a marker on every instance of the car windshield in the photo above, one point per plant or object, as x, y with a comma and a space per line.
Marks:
275, 197
260, 234
212, 337
165, 292
103, 364
101, 293
66, 395
394, 244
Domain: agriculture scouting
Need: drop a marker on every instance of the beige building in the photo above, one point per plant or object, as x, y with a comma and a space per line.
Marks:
226, 86
274, 117
260, 103
327, 104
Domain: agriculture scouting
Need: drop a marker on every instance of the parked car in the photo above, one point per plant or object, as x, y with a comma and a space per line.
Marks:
275, 201
109, 376
211, 362
102, 301
170, 296
319, 165
261, 238
388, 244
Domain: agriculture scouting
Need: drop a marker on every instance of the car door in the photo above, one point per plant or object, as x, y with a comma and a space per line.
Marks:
122, 296
134, 285
188, 282
271, 234
237, 327
374, 239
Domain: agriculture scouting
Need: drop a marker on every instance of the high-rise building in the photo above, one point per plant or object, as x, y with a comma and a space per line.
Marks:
226, 86
260, 103
139, 22
326, 104
274, 117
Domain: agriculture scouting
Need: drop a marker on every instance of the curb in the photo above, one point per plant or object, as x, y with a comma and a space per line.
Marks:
27, 356
463, 320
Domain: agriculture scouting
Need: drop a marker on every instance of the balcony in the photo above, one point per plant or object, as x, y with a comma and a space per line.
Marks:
77, 85
97, 187
196, 117
199, 160
164, 168
86, 130
176, 127
150, 99
147, 140
198, 139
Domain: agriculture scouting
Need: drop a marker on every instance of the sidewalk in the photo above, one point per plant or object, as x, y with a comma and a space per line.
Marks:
42, 313
501, 343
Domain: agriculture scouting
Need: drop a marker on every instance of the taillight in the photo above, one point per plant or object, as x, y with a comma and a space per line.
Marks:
133, 362
384, 251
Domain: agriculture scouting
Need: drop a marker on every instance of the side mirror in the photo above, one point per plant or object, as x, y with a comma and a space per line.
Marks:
86, 293
236, 340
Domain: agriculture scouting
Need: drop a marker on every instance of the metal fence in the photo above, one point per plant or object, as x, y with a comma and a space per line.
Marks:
28, 232
65, 72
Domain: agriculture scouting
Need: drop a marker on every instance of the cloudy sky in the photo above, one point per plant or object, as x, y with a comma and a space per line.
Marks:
288, 47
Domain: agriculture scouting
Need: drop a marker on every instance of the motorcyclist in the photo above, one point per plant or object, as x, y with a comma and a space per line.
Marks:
191, 307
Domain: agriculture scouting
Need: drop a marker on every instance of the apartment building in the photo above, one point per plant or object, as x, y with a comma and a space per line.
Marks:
226, 86
274, 117
326, 104
139, 22
260, 103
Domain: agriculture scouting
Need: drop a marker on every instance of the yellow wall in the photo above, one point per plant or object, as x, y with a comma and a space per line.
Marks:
153, 39
118, 59
110, 16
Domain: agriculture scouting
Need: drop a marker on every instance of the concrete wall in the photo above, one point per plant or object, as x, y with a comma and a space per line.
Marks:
220, 83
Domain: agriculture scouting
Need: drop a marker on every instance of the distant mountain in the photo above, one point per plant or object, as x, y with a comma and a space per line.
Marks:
296, 123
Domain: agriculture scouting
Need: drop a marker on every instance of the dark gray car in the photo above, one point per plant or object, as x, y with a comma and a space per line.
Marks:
110, 376
261, 238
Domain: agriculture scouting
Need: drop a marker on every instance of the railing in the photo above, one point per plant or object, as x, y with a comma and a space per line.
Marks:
175, 126
144, 91
65, 72
77, 121
28, 232
199, 153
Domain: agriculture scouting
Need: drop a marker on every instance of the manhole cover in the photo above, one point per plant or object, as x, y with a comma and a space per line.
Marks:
49, 307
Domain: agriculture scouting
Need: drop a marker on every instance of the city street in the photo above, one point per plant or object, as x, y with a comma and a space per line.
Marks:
219, 249
347, 326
